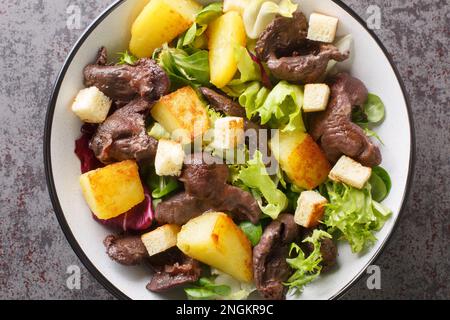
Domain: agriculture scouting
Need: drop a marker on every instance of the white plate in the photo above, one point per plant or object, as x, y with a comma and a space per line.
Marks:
369, 62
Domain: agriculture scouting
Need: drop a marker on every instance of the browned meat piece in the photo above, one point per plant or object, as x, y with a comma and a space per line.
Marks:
328, 250
124, 83
305, 68
126, 250
334, 129
269, 257
205, 182
123, 136
282, 36
172, 269
180, 208
204, 176
225, 105
292, 57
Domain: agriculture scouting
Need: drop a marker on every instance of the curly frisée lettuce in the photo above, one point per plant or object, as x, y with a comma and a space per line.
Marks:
353, 214
254, 176
306, 268
127, 58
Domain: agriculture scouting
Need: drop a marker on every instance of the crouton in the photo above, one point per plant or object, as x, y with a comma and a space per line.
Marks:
228, 132
161, 239
310, 209
316, 97
169, 158
322, 28
91, 105
350, 172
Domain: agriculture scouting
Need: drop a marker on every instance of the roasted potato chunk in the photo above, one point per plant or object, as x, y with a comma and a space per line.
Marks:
225, 34
112, 190
213, 238
300, 158
182, 114
160, 22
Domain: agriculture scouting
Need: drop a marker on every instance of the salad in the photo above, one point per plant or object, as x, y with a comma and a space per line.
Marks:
226, 152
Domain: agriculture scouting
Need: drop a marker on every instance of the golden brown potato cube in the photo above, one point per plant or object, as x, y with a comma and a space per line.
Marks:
112, 190
213, 238
160, 22
301, 159
225, 33
183, 114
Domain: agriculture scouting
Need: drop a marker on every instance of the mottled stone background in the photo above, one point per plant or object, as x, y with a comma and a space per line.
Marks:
34, 254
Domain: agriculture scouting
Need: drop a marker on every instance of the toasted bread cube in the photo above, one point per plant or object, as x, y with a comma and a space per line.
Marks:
161, 239
322, 28
169, 158
182, 114
91, 105
350, 172
310, 209
228, 132
112, 190
316, 97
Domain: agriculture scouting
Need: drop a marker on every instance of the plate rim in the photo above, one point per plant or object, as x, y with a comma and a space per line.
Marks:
51, 184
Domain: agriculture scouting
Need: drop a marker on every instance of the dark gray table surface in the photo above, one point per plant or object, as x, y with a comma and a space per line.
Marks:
34, 254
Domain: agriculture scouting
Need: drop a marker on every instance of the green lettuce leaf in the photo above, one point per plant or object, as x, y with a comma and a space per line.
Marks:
248, 71
158, 132
374, 108
306, 268
207, 289
127, 58
370, 115
260, 13
203, 18
220, 286
161, 186
255, 177
183, 68
280, 108
253, 232
354, 214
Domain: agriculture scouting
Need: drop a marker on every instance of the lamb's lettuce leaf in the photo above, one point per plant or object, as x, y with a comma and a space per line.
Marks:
159, 186
207, 289
184, 68
381, 184
203, 18
374, 108
220, 286
307, 268
354, 214
253, 232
